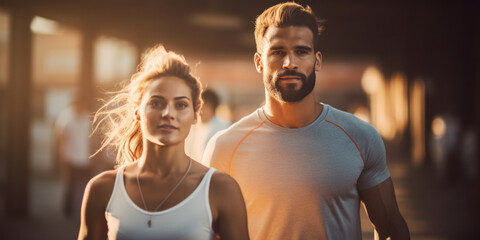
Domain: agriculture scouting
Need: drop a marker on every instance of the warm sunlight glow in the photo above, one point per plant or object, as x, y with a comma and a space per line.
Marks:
372, 80
42, 25
115, 59
417, 119
375, 86
388, 102
398, 95
439, 127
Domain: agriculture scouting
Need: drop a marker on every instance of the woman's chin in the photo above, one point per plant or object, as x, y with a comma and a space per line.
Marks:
162, 142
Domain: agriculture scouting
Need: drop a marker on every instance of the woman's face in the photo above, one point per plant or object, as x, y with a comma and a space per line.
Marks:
166, 111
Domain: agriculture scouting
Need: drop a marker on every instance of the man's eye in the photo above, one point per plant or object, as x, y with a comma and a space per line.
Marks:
278, 53
301, 52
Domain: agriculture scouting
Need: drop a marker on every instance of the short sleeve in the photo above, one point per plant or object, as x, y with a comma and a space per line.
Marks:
375, 170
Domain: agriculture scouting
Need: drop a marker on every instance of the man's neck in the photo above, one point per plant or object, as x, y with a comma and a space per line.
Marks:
292, 115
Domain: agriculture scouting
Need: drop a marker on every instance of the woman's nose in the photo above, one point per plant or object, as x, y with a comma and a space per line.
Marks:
168, 112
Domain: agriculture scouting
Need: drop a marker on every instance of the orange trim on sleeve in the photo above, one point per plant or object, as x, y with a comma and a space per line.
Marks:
351, 138
238, 144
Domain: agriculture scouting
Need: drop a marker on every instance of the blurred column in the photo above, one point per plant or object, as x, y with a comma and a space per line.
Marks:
476, 36
86, 85
18, 114
417, 121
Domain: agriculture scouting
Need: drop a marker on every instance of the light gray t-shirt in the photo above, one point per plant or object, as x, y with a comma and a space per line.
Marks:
301, 183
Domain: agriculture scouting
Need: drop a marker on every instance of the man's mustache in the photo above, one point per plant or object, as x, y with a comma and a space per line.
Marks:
292, 73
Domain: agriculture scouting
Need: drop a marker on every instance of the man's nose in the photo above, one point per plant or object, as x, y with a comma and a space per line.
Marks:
289, 62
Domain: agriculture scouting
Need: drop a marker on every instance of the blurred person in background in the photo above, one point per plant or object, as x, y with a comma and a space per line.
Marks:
158, 192
304, 167
208, 125
72, 130
446, 148
469, 153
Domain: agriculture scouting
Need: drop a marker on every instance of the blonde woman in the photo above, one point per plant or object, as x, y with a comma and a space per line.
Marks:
158, 192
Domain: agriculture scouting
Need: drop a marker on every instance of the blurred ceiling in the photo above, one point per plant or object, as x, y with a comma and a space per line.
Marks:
226, 26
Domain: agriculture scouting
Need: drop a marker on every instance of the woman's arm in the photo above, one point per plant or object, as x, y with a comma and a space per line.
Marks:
93, 224
229, 211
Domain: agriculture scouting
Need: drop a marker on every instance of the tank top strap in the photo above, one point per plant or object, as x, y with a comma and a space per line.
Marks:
209, 173
205, 184
118, 184
207, 178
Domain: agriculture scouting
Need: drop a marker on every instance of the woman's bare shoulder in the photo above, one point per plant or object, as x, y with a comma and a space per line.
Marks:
102, 184
105, 177
223, 183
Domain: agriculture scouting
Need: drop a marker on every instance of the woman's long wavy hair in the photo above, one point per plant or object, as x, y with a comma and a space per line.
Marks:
116, 118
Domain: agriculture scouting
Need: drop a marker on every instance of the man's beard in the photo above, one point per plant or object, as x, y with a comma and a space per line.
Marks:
288, 93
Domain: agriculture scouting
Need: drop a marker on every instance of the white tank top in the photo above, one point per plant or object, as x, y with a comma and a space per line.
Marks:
189, 219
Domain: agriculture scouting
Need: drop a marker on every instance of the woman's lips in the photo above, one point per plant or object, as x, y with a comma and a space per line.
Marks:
167, 127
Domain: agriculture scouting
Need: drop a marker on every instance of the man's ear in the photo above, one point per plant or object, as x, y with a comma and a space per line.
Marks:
258, 62
318, 61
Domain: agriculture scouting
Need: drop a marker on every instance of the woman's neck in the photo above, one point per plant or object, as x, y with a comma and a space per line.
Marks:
163, 160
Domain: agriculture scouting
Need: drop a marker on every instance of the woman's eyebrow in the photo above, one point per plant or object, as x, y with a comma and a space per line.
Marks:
175, 98
182, 97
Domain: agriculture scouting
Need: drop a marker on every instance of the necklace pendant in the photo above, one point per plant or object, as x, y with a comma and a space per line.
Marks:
149, 223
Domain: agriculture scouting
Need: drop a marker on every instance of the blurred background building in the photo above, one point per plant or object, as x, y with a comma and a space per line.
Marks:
411, 68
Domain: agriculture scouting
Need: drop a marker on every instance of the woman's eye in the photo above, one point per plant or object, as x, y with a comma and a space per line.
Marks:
156, 104
181, 105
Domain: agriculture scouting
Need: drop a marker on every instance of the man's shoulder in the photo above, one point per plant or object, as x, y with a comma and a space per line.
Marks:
241, 127
221, 145
228, 138
349, 122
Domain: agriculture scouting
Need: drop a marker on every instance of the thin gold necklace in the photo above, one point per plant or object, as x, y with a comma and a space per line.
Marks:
149, 223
